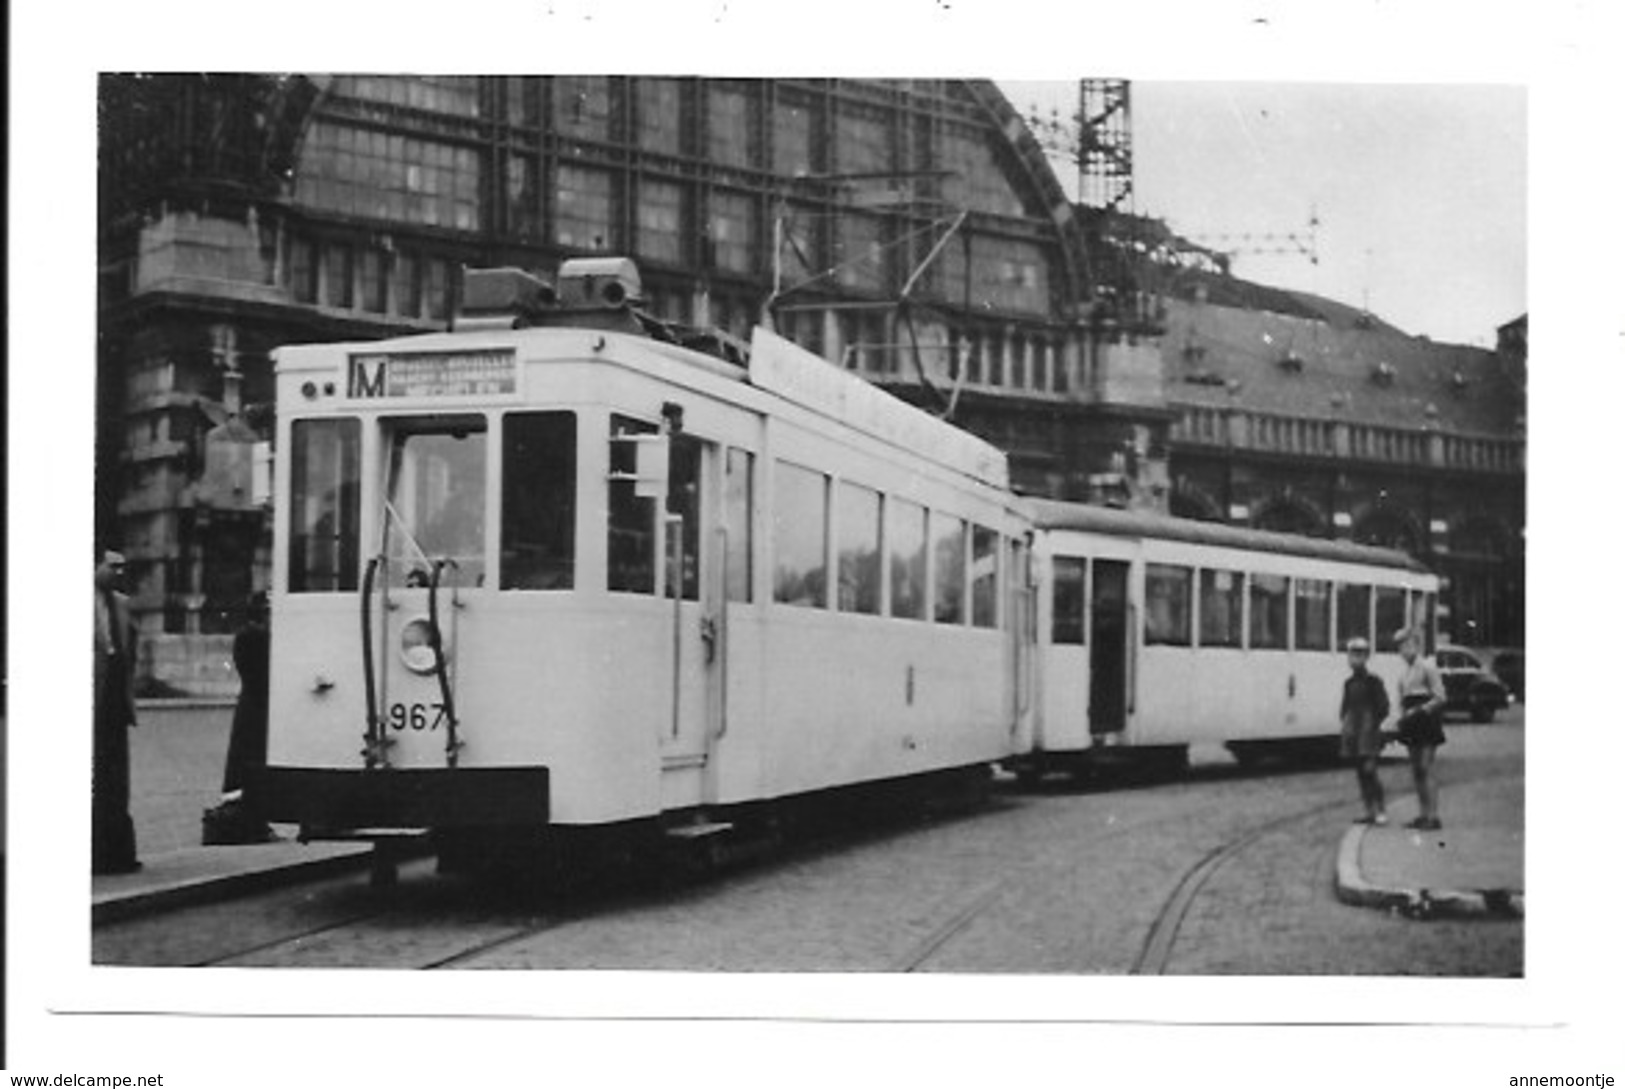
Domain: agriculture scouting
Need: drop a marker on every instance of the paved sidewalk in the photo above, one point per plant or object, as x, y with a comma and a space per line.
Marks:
192, 875
1474, 866
177, 758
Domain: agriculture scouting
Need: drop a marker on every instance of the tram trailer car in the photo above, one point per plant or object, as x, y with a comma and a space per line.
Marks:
553, 571
1156, 633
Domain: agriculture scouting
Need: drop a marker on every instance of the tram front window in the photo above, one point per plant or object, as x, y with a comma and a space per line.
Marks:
435, 505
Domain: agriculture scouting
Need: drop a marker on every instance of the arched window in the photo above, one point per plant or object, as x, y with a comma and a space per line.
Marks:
1285, 514
1387, 527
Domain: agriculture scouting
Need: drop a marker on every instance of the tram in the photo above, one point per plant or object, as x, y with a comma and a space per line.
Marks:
564, 567
1157, 633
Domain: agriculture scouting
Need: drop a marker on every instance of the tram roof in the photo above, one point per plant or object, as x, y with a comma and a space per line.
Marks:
1053, 514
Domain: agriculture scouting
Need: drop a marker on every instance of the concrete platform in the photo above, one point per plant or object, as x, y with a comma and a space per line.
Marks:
192, 875
1473, 866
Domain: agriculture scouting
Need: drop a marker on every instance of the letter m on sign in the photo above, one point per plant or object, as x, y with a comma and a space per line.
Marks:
367, 376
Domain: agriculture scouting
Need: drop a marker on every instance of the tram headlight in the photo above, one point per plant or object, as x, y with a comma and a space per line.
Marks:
417, 646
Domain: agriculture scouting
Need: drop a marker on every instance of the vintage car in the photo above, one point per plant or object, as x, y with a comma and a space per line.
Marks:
1469, 685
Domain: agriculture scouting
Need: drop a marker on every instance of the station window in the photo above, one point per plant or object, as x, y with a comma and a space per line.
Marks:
858, 549
1167, 605
581, 106
370, 272
339, 262
800, 520
1268, 612
1066, 616
302, 270
1312, 601
324, 506
906, 545
984, 577
437, 288
583, 209
523, 198
1221, 609
436, 500
406, 275
729, 130
659, 119
1353, 613
660, 221
732, 231
1390, 617
948, 550
538, 500
631, 516
792, 139
738, 518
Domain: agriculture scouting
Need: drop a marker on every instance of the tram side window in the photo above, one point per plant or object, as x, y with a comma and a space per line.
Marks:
683, 489
1066, 603
738, 491
800, 520
1221, 609
324, 506
984, 577
858, 550
1427, 619
1390, 617
1269, 609
948, 549
1167, 605
631, 517
1312, 599
906, 545
1353, 613
538, 500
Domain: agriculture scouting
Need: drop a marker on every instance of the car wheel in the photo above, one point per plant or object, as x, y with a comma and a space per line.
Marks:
1483, 714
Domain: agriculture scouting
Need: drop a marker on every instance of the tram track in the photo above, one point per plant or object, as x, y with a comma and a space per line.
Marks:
1173, 839
1158, 948
1161, 936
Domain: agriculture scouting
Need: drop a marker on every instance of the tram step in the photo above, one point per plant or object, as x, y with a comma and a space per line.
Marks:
699, 829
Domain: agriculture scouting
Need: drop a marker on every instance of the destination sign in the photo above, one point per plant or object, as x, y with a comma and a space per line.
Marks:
431, 374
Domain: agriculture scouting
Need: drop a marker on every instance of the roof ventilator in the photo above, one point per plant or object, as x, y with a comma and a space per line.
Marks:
501, 298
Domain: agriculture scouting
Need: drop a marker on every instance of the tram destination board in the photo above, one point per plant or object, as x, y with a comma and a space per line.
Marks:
431, 374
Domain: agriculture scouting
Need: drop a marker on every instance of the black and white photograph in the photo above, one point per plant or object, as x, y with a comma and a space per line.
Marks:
680, 559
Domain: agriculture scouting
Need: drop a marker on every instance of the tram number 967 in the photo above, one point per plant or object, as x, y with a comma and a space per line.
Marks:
417, 716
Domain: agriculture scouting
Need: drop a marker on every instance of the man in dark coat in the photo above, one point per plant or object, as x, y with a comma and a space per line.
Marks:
235, 820
112, 843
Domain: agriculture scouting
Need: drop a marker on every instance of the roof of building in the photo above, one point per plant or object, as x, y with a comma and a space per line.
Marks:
1315, 358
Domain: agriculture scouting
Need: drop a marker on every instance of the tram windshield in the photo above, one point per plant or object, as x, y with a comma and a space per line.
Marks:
434, 505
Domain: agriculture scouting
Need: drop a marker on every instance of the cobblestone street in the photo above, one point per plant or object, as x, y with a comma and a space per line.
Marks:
1059, 880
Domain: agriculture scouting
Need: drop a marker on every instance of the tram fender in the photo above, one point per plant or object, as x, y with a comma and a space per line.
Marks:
403, 797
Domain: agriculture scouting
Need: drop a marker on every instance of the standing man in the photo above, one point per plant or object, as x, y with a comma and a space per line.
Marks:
112, 833
1365, 706
1422, 699
235, 819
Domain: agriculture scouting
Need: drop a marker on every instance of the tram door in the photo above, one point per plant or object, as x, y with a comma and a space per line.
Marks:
424, 574
694, 588
1109, 634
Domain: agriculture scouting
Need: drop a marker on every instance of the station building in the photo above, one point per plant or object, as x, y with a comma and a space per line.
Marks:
912, 231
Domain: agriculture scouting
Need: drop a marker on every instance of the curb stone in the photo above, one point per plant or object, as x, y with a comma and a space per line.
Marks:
1416, 903
208, 888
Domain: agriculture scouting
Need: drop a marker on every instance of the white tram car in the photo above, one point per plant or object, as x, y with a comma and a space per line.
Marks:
1158, 633
552, 569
